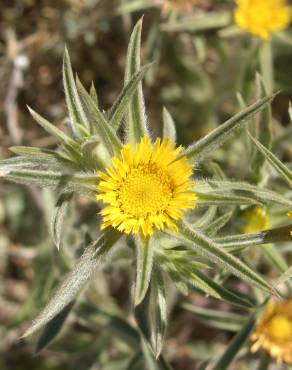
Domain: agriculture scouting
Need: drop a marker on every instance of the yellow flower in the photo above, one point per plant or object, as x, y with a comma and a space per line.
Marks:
274, 331
257, 220
290, 215
262, 17
145, 188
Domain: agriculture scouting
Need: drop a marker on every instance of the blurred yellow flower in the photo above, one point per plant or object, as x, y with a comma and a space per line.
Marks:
262, 17
257, 220
145, 188
273, 331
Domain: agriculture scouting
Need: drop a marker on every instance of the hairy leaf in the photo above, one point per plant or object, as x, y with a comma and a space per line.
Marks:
92, 258
200, 149
169, 129
136, 120
206, 247
145, 253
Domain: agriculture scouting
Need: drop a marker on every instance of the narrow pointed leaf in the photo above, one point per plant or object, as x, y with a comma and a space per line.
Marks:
236, 344
58, 217
76, 112
136, 120
206, 247
169, 129
52, 328
218, 224
206, 21
284, 277
105, 132
282, 170
220, 199
92, 258
93, 93
234, 243
241, 188
30, 151
79, 182
122, 103
223, 320
159, 316
51, 129
145, 252
209, 286
200, 149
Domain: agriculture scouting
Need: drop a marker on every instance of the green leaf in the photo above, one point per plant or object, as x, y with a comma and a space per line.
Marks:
220, 199
216, 225
159, 316
79, 182
105, 132
31, 162
169, 129
283, 171
206, 247
235, 243
58, 217
284, 277
93, 257
262, 130
112, 323
52, 328
223, 320
211, 287
40, 153
51, 129
93, 93
145, 253
200, 149
206, 21
75, 108
205, 220
123, 101
236, 344
240, 188
136, 120
151, 313
152, 363
267, 65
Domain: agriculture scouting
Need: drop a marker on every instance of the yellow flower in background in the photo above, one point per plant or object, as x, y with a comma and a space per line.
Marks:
262, 17
257, 220
146, 187
273, 331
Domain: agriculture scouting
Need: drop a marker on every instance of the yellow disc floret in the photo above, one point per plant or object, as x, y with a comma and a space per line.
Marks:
274, 331
145, 188
262, 17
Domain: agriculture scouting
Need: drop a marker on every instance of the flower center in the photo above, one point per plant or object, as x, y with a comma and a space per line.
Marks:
280, 328
145, 191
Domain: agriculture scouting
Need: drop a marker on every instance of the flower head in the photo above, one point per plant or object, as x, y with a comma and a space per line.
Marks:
274, 331
262, 17
146, 187
257, 220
